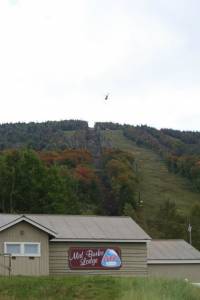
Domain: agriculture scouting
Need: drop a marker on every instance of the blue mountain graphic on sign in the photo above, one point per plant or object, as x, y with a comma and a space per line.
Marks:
111, 259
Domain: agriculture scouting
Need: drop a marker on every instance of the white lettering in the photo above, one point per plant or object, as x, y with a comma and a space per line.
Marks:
90, 261
94, 253
76, 255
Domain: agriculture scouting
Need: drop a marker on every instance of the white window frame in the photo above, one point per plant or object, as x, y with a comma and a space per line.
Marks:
22, 253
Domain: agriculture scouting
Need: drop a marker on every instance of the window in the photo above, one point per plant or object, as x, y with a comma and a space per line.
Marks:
13, 248
22, 249
31, 249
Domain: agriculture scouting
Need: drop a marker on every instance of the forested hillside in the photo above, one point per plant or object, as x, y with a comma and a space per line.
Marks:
47, 135
66, 167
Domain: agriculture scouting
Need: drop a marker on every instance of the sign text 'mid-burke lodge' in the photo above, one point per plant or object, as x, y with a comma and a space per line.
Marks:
94, 258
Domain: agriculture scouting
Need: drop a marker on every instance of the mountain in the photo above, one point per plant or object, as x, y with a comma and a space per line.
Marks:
66, 167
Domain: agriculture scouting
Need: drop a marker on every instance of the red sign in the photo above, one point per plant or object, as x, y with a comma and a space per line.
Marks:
94, 258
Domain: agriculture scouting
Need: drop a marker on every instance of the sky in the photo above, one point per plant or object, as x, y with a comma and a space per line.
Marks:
59, 58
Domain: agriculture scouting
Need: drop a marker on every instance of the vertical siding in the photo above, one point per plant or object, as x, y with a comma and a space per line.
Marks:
4, 265
24, 232
134, 259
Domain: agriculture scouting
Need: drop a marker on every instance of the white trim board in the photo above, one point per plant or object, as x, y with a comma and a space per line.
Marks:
78, 240
172, 261
26, 219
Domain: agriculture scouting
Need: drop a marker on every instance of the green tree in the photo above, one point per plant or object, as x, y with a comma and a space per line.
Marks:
27, 185
195, 222
169, 223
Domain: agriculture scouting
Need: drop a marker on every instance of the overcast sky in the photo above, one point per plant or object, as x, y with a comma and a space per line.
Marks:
58, 59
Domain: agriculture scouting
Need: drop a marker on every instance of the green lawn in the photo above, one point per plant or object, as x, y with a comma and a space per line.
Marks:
95, 288
157, 183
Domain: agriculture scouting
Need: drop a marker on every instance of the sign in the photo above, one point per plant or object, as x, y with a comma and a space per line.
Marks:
94, 258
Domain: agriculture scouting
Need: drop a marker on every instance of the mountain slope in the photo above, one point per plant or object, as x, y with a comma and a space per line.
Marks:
157, 183
179, 149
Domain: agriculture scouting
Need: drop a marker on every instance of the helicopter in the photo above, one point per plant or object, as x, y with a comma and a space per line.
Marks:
106, 96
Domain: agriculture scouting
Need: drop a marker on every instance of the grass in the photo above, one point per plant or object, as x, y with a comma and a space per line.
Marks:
69, 133
157, 183
95, 288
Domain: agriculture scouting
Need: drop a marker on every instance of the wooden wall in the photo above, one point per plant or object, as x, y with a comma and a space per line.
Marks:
181, 271
134, 259
24, 232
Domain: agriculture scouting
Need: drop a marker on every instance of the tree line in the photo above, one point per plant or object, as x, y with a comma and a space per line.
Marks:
66, 182
48, 135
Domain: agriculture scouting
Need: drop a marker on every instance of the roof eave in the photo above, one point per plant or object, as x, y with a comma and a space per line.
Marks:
26, 219
172, 261
100, 240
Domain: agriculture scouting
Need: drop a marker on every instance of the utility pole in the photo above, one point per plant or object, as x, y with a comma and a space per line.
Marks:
190, 232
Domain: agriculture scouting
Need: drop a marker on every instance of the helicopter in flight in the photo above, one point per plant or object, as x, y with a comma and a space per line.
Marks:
106, 96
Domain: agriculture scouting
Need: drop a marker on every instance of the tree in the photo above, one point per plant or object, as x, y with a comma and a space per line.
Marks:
195, 222
120, 181
28, 186
168, 222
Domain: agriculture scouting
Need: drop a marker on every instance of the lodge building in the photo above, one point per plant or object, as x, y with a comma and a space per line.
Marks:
67, 245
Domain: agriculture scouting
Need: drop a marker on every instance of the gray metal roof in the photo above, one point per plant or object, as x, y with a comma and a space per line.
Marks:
83, 228
171, 250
